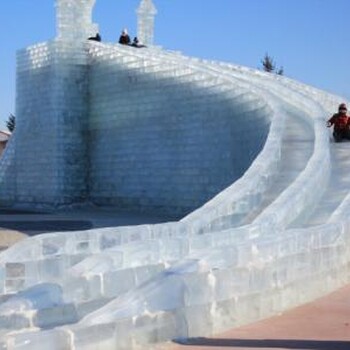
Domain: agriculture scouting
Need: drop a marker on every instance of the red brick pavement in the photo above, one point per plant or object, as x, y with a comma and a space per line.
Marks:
321, 325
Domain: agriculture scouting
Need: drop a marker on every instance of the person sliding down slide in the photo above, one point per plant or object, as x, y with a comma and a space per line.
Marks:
341, 122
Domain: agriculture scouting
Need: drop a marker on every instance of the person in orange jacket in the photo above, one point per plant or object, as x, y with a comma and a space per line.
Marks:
341, 122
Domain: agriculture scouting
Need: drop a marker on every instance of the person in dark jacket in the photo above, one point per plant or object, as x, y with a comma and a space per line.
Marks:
97, 37
136, 43
124, 38
341, 122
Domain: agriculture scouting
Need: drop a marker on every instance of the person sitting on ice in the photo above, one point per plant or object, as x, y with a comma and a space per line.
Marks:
341, 122
136, 43
124, 38
97, 37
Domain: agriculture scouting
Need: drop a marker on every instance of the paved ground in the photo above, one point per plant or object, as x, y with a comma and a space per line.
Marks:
9, 237
320, 325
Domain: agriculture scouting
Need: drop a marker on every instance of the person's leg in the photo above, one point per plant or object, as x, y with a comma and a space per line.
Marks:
337, 136
347, 134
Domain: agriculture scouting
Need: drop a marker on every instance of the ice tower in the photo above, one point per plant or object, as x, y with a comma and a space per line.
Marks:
146, 13
73, 19
52, 110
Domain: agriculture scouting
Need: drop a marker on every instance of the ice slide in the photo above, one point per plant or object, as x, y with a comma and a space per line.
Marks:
277, 237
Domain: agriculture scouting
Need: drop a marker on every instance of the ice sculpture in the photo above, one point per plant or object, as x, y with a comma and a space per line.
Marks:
73, 19
145, 22
275, 238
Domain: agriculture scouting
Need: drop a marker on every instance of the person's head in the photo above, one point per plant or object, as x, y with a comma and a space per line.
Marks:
342, 108
136, 40
124, 31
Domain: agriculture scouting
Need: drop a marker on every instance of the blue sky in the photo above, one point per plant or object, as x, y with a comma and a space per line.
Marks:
309, 38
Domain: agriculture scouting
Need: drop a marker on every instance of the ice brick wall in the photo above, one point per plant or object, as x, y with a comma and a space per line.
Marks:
7, 171
51, 116
127, 128
163, 136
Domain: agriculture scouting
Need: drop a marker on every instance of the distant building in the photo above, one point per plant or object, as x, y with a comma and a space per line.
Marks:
4, 137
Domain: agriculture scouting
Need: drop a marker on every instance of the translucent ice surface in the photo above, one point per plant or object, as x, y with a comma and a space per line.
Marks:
273, 237
146, 13
73, 19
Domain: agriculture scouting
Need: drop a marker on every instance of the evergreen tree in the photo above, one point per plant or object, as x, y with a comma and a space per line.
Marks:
11, 123
280, 71
268, 64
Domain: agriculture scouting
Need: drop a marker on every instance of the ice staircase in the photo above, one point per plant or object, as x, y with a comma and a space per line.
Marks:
276, 238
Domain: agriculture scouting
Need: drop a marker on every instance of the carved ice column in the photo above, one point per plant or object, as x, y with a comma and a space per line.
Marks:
74, 19
146, 13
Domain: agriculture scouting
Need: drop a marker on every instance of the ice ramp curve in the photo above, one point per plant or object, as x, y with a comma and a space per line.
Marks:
275, 238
